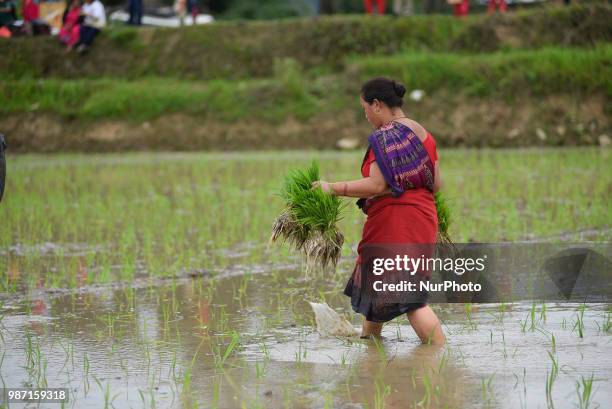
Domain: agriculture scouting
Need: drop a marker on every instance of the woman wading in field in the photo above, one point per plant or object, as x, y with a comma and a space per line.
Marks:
400, 175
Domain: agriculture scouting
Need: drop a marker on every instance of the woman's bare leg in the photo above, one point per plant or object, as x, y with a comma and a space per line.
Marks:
371, 329
426, 325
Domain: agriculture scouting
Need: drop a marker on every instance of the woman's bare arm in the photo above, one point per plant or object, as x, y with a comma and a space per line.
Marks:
372, 185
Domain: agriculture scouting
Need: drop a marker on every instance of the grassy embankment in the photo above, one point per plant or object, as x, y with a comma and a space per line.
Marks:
311, 77
290, 91
247, 50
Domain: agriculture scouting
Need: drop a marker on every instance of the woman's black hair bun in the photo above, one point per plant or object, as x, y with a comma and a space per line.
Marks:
385, 90
399, 89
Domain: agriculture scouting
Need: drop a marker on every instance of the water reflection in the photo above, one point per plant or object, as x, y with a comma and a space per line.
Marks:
249, 340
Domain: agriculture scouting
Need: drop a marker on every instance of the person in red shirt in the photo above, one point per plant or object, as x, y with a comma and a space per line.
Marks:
400, 174
380, 6
70, 31
501, 4
31, 12
461, 8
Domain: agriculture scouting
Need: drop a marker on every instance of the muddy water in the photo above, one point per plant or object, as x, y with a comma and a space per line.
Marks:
107, 288
250, 341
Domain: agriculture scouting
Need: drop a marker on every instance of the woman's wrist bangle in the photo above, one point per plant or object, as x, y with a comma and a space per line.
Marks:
332, 189
335, 192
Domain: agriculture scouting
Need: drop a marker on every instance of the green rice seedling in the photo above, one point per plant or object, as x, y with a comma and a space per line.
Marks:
166, 316
502, 311
551, 337
430, 390
265, 350
607, 323
220, 359
152, 398
579, 323
532, 315
381, 391
172, 369
523, 396
543, 313
147, 348
584, 390
216, 392
260, 369
344, 358
42, 378
487, 390
468, 314
187, 380
380, 348
328, 401
298, 355
305, 351
71, 343
309, 221
108, 400
186, 387
67, 348
142, 398
550, 379
30, 353
85, 373
444, 219
443, 361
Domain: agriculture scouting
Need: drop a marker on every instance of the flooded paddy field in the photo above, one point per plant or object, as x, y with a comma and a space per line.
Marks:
145, 280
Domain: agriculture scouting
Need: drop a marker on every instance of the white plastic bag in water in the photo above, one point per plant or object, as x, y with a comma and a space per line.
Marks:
329, 323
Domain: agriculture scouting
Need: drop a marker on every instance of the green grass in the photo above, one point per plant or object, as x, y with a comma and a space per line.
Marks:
117, 217
542, 72
150, 98
293, 92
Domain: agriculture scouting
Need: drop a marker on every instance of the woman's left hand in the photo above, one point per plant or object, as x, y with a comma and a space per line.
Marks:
325, 186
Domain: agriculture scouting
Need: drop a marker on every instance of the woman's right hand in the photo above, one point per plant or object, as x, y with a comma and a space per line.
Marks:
325, 186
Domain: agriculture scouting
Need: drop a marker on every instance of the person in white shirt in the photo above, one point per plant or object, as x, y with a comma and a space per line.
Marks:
95, 20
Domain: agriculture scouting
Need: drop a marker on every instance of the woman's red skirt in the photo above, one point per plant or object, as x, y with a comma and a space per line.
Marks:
395, 223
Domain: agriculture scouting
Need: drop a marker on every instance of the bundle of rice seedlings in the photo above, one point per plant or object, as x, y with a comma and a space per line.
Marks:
444, 221
309, 221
